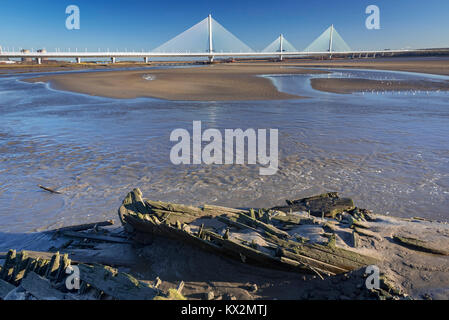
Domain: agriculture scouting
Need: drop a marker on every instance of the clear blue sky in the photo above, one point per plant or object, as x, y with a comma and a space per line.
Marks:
137, 25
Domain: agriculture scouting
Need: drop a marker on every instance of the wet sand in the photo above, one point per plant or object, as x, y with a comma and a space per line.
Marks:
217, 83
347, 86
430, 65
240, 81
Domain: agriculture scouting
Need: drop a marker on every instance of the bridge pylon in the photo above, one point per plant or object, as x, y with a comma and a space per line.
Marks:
281, 46
211, 39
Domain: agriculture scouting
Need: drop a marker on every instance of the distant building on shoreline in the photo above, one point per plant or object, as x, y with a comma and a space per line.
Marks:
26, 59
42, 51
5, 60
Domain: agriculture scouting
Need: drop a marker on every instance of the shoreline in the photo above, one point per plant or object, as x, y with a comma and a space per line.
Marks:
239, 81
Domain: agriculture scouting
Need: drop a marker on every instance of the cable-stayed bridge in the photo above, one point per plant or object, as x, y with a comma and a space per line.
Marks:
209, 39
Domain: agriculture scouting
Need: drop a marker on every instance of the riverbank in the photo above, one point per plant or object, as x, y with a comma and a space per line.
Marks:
240, 81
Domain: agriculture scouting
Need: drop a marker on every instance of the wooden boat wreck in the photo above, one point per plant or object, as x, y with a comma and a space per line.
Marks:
266, 238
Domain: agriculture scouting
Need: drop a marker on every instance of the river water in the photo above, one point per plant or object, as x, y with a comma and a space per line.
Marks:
387, 151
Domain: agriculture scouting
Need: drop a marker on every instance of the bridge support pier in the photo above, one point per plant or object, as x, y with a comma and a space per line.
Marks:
39, 60
146, 60
211, 59
113, 60
78, 60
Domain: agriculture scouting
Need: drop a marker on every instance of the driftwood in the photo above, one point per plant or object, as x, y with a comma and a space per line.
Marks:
49, 190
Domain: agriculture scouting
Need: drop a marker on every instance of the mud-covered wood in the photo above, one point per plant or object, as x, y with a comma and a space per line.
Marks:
172, 207
5, 288
53, 267
41, 288
118, 285
8, 266
341, 258
96, 237
259, 224
367, 233
22, 263
419, 245
83, 227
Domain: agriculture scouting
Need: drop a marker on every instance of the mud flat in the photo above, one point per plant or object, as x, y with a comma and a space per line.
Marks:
431, 65
213, 83
347, 86
240, 81
313, 248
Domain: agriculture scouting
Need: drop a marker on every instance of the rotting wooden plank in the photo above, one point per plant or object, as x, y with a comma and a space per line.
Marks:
235, 248
5, 288
22, 263
8, 266
328, 204
83, 227
52, 271
233, 223
355, 239
419, 245
265, 226
42, 259
174, 207
265, 259
221, 210
96, 237
41, 288
118, 285
288, 219
367, 233
312, 262
338, 257
172, 216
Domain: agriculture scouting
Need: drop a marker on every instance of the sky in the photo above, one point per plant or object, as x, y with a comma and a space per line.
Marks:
144, 25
